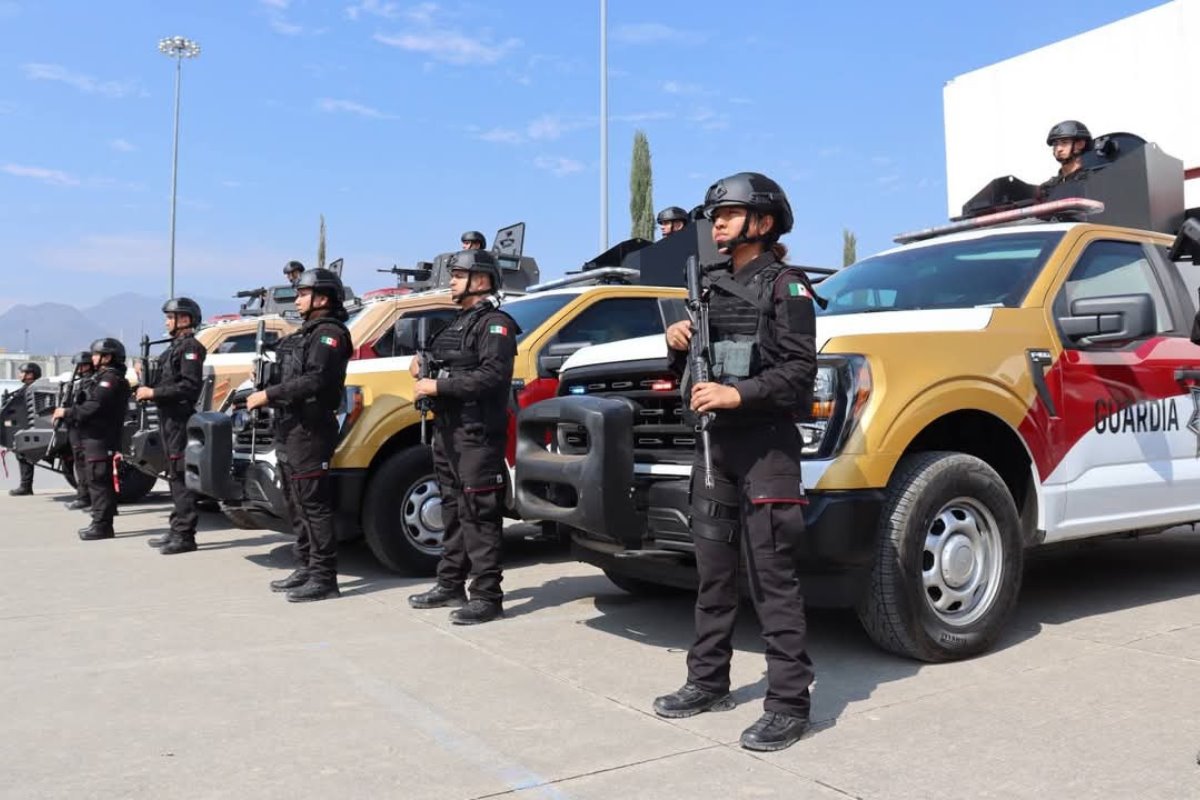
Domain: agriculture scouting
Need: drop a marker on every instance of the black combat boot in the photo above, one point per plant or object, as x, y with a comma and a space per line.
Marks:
20, 491
477, 611
179, 544
691, 700
314, 590
297, 579
774, 731
438, 597
159, 541
79, 504
96, 531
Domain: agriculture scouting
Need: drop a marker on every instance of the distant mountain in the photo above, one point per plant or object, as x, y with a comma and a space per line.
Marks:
53, 328
60, 328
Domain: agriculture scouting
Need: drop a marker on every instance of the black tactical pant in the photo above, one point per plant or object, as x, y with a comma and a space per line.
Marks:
754, 511
304, 455
183, 515
100, 482
26, 470
79, 464
469, 464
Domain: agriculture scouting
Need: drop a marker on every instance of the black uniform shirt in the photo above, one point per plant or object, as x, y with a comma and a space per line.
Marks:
180, 377
101, 416
318, 370
494, 338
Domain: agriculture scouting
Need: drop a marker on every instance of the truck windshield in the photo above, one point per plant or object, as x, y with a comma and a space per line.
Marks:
990, 271
531, 311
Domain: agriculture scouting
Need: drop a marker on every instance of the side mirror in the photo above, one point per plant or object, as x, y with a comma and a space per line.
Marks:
551, 359
1117, 318
1187, 243
410, 338
672, 310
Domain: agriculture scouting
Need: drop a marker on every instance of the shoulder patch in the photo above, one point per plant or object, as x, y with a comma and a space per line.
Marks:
106, 384
797, 289
499, 329
329, 341
192, 356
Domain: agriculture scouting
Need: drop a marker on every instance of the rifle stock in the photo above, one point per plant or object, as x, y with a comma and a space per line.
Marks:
699, 357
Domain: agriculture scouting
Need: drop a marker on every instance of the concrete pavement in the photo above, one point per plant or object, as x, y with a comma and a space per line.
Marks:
128, 674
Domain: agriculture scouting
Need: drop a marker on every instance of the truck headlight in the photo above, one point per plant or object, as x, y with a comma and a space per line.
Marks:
840, 392
239, 420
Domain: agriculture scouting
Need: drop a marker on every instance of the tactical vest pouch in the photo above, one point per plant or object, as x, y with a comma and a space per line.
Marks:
734, 360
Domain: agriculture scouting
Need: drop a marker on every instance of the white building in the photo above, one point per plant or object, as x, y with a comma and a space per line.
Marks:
1133, 75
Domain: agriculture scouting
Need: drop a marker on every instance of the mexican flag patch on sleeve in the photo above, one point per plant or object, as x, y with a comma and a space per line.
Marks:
329, 340
797, 290
500, 329
190, 356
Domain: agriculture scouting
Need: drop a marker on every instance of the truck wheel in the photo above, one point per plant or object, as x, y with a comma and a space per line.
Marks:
240, 518
948, 568
402, 513
639, 587
67, 466
135, 484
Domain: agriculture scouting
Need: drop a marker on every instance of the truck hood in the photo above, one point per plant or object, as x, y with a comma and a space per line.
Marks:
884, 322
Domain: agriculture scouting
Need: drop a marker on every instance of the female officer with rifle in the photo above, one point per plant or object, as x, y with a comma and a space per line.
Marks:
751, 503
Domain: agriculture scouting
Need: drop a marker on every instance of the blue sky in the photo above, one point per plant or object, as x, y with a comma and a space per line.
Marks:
406, 123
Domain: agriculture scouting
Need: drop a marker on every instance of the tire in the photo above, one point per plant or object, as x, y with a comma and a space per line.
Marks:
240, 518
402, 513
135, 484
948, 568
639, 587
67, 466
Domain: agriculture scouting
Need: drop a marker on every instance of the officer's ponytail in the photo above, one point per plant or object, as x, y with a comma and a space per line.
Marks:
780, 251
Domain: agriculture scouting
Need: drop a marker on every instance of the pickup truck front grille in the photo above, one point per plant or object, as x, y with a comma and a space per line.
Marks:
661, 433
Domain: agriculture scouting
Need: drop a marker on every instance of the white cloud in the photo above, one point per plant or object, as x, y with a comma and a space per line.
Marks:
144, 254
558, 165
282, 5
653, 33
121, 146
451, 47
280, 25
376, 8
502, 136
422, 13
679, 87
331, 106
84, 83
886, 180
54, 177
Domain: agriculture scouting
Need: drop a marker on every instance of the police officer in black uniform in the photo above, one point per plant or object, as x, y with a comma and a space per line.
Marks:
292, 270
175, 394
762, 327
101, 418
672, 219
84, 378
30, 372
471, 397
473, 240
311, 380
1068, 141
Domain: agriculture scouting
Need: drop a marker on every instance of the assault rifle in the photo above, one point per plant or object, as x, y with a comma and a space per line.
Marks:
259, 292
64, 399
408, 276
262, 377
149, 377
424, 402
699, 357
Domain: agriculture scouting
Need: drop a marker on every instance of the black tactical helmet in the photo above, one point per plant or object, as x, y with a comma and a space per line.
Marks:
33, 368
83, 357
473, 237
1069, 129
323, 281
292, 266
183, 305
109, 346
477, 261
755, 191
672, 214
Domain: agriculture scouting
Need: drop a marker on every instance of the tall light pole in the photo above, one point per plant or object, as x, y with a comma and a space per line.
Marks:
177, 48
603, 125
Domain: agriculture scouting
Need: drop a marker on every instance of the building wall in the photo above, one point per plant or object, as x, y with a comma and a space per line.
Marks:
1132, 75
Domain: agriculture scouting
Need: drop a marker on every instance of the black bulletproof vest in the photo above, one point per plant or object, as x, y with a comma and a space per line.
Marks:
448, 346
292, 353
170, 365
737, 325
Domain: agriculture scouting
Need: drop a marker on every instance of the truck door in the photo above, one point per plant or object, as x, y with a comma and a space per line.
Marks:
1128, 428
